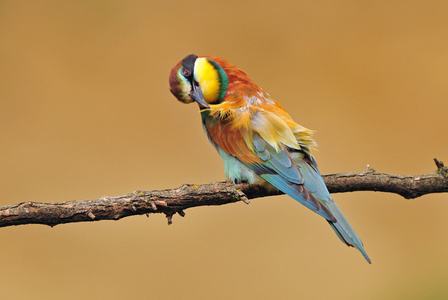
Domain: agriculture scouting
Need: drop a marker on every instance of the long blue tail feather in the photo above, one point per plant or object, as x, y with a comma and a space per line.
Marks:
345, 232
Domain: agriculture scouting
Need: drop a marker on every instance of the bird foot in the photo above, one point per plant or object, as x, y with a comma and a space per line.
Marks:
241, 196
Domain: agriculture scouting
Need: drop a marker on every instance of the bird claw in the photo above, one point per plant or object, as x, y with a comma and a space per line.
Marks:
155, 203
241, 196
153, 206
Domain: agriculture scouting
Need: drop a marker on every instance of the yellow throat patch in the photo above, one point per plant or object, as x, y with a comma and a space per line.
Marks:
208, 78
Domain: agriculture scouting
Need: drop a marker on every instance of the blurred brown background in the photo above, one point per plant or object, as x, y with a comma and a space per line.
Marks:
85, 111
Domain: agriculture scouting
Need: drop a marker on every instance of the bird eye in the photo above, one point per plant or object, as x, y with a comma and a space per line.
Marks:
186, 73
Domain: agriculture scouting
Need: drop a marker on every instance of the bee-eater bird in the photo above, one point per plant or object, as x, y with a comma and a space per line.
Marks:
256, 138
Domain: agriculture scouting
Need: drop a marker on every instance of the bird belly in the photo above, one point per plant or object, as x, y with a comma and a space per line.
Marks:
236, 171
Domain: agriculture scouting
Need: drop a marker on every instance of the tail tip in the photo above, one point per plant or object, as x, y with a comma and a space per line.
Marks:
363, 252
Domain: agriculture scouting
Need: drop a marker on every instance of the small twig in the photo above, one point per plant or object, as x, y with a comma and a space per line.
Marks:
441, 167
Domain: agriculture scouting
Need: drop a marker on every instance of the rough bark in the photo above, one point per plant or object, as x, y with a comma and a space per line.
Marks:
174, 201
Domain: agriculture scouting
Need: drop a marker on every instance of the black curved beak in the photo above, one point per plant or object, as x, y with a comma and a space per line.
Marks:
197, 95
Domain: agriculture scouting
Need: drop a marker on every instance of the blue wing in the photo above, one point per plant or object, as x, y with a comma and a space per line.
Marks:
280, 170
296, 174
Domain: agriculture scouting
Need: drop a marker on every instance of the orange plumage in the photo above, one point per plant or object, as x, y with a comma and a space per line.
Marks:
256, 138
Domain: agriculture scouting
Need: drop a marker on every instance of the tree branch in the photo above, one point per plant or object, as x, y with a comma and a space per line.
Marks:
177, 200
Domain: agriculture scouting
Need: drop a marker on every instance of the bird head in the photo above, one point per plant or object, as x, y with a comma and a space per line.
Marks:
198, 79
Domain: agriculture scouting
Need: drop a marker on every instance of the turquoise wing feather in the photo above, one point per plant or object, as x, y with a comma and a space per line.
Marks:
279, 170
296, 174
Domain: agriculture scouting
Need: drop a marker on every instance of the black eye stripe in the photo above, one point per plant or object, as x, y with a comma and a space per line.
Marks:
188, 61
188, 65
